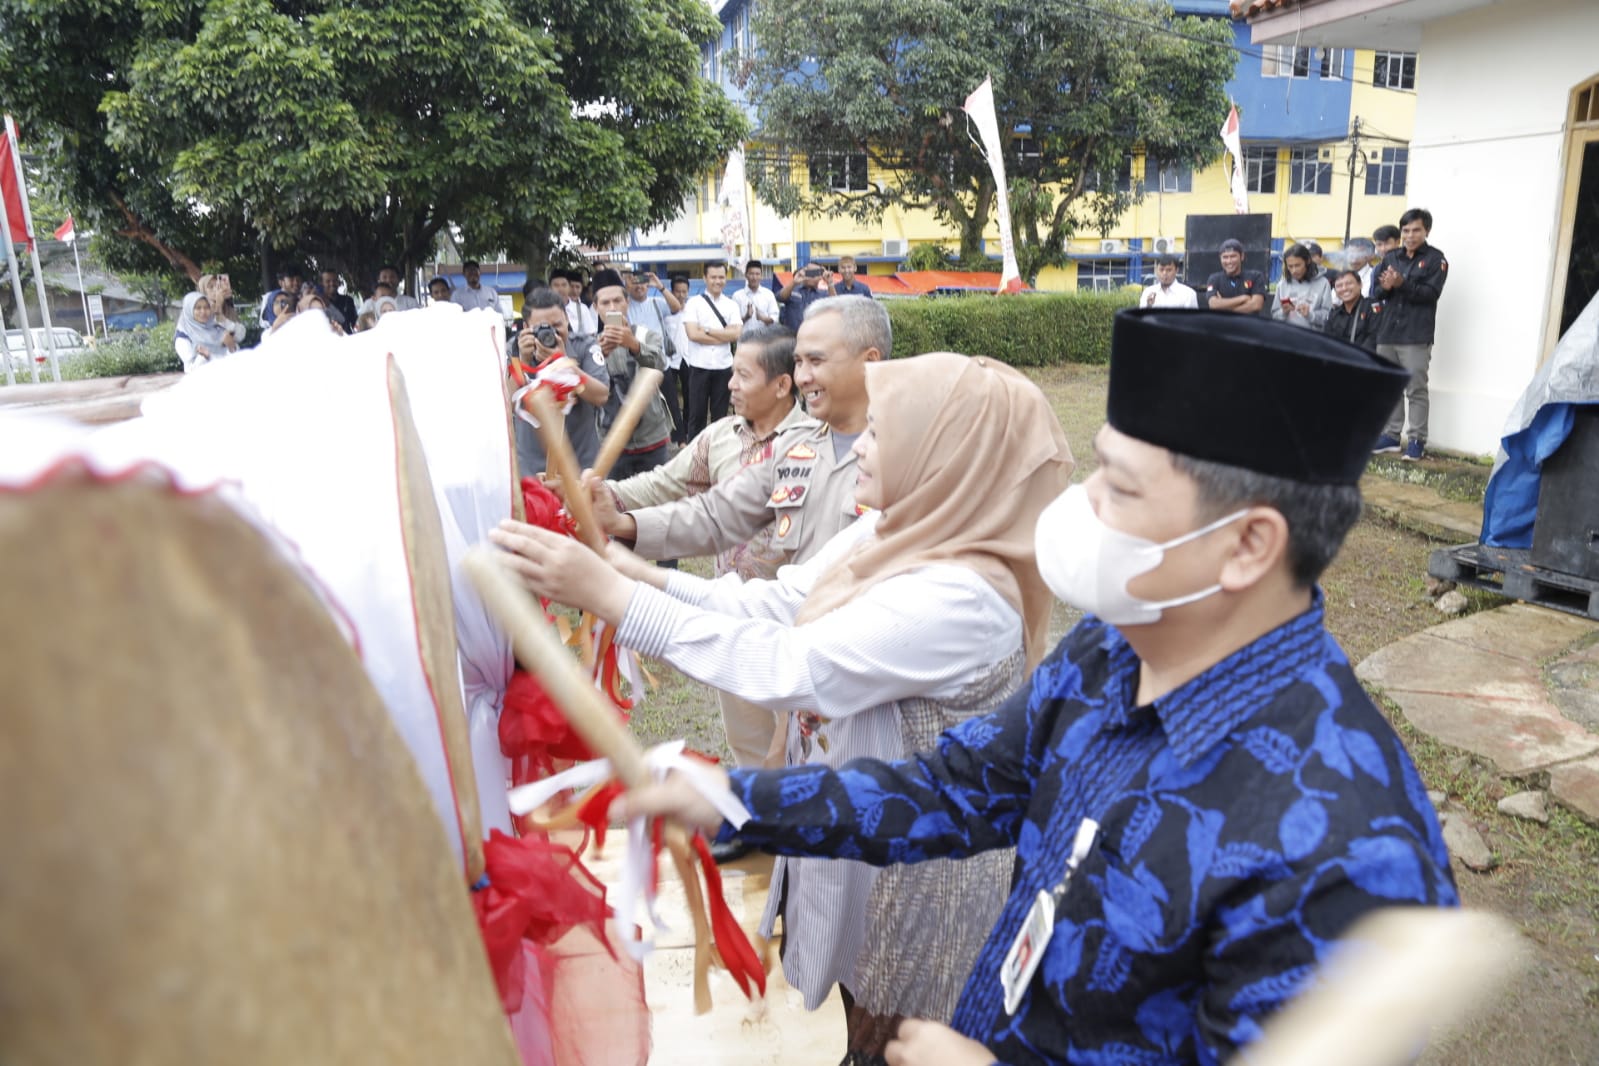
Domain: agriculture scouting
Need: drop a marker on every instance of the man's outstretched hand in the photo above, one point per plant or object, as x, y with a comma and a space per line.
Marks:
676, 800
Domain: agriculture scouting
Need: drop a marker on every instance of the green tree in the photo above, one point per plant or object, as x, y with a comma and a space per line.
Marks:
224, 131
1078, 89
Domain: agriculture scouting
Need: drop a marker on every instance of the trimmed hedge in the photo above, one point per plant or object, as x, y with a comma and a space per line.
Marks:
1038, 330
139, 351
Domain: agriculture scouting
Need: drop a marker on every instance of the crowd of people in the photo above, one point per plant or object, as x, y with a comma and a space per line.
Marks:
1136, 846
1381, 294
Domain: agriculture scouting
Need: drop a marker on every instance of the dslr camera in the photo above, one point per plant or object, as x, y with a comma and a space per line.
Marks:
546, 335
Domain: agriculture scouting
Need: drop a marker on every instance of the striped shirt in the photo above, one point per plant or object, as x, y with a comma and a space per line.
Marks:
928, 634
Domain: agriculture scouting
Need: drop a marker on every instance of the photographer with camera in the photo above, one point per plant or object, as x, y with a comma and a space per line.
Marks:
542, 350
803, 289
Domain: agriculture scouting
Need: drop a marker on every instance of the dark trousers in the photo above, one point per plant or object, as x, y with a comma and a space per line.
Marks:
672, 389
628, 465
707, 397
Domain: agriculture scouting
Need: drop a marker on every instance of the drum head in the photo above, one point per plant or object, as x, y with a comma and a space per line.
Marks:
216, 847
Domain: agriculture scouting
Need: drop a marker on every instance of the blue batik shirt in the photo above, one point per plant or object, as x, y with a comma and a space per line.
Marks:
1248, 818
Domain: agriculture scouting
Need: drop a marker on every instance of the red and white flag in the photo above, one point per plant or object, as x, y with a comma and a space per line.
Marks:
11, 189
65, 232
1230, 138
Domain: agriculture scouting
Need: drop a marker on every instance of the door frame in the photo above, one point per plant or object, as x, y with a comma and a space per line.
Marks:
1582, 129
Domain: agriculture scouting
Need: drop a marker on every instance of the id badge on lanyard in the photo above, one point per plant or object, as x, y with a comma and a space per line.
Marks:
1027, 950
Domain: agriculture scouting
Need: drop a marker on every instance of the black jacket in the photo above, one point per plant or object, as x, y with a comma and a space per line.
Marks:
1357, 327
1409, 314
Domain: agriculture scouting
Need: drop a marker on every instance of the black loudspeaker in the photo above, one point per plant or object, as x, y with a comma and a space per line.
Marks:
1565, 534
1203, 240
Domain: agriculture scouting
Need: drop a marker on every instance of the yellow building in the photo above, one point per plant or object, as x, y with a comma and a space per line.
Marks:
1299, 110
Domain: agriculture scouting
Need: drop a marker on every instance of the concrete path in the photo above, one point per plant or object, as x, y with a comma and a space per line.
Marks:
1517, 686
1421, 509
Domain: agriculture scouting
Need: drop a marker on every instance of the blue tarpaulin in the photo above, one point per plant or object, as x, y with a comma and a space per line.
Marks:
1535, 430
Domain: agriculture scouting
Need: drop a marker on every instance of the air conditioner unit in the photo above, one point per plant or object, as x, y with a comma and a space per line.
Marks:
1165, 245
896, 247
1111, 247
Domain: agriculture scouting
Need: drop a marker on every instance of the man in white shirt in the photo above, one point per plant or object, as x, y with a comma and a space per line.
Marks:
1167, 290
757, 304
676, 383
712, 322
389, 275
581, 321
474, 295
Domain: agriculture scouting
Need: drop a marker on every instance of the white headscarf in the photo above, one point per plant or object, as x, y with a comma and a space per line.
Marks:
200, 334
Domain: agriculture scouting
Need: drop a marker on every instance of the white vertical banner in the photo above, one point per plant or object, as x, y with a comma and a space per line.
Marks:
979, 107
1230, 138
735, 228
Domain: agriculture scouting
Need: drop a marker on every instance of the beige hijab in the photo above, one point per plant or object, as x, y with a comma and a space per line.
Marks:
969, 454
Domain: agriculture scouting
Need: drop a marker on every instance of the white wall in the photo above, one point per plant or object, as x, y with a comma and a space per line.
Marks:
1494, 88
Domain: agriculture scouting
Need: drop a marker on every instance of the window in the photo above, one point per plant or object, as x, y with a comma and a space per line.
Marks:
1386, 176
839, 171
1394, 70
711, 61
769, 165
1286, 61
1260, 168
1026, 147
1167, 177
1097, 180
1101, 275
1307, 174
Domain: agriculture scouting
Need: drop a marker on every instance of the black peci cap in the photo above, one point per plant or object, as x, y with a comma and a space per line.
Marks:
1248, 392
605, 278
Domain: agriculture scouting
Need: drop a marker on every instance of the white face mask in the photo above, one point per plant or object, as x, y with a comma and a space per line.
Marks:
1088, 565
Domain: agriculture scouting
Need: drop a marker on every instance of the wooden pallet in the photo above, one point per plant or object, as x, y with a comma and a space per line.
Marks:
1509, 572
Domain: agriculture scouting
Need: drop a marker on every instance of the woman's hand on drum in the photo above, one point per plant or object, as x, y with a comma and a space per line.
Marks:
563, 570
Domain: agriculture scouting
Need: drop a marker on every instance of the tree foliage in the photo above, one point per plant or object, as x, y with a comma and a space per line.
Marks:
1078, 87
214, 132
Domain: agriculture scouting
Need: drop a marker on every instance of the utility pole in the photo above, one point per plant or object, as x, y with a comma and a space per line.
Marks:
1357, 164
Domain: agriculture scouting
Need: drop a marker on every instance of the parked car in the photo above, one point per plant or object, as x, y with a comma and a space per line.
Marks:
69, 345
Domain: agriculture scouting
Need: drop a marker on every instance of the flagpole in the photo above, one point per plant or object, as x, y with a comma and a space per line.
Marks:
16, 290
33, 251
83, 295
11, 378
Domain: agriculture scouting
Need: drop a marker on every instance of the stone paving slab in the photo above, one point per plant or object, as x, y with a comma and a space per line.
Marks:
1576, 784
1517, 630
1518, 739
1480, 684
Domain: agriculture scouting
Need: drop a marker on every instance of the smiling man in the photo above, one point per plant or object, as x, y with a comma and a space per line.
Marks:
1202, 797
806, 490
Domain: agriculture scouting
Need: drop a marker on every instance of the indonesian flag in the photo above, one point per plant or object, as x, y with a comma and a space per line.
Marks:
65, 232
1230, 138
11, 189
980, 108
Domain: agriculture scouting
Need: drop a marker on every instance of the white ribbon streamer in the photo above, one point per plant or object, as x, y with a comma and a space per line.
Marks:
638, 856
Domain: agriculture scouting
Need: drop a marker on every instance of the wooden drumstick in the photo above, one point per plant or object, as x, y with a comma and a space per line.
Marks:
540, 650
560, 461
646, 384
